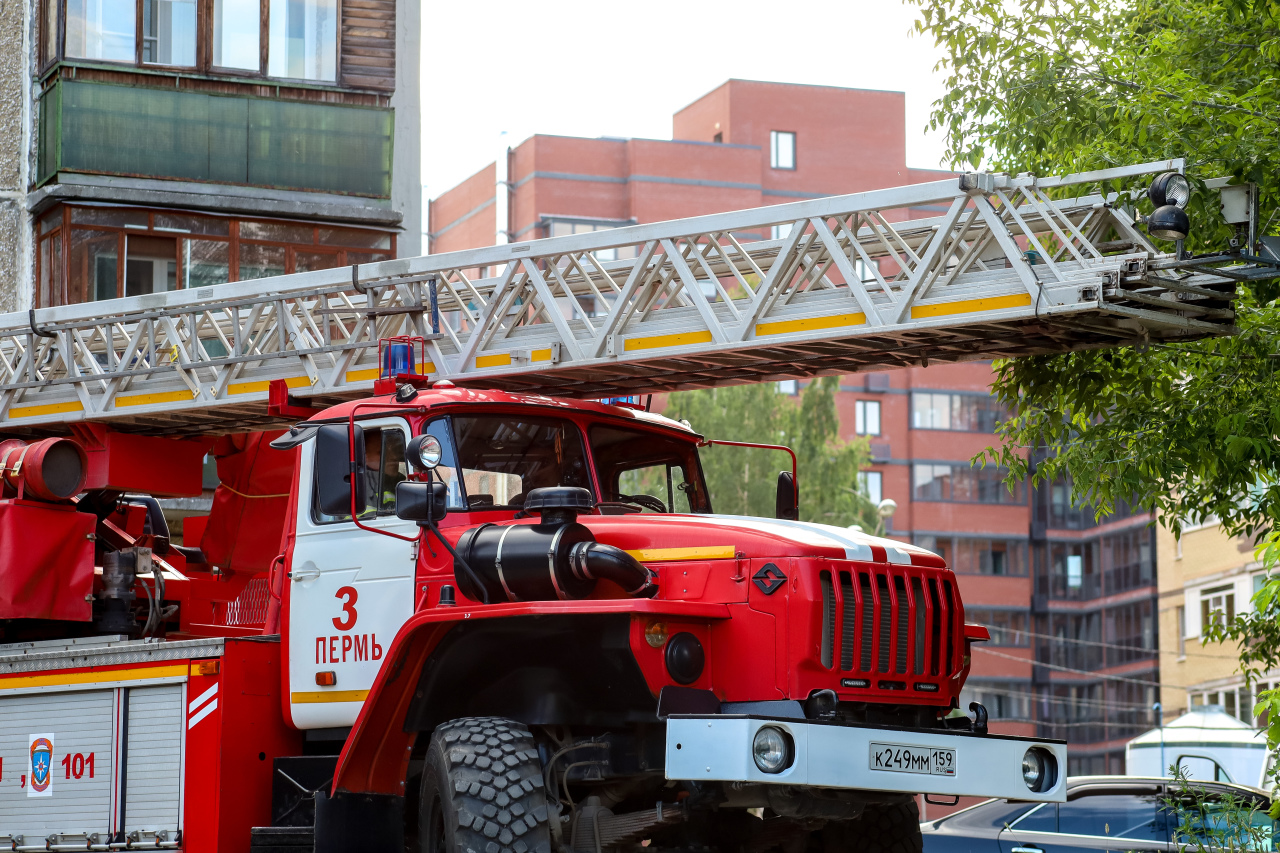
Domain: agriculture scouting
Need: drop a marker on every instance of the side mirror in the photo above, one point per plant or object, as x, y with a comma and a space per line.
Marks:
787, 504
421, 502
334, 470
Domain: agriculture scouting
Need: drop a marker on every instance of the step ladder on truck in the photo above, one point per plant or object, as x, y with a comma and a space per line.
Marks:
460, 590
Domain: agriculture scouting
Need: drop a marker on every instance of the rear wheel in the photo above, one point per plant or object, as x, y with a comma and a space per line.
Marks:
482, 790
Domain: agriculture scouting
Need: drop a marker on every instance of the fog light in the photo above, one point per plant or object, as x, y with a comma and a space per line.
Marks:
685, 658
1037, 769
772, 750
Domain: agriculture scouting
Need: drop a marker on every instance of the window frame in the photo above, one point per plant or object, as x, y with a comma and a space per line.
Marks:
62, 233
861, 412
774, 136
204, 46
319, 519
865, 479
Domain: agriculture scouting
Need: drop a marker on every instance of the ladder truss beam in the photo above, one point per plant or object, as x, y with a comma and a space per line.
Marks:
1011, 266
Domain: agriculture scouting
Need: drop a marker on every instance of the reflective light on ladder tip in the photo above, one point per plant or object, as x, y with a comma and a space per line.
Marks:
202, 706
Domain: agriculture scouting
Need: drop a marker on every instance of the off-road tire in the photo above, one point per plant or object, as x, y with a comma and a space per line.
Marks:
482, 790
883, 828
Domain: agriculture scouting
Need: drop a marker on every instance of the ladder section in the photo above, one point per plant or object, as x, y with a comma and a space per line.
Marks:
1009, 266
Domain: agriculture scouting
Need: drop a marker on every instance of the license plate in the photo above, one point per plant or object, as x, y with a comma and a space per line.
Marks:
913, 759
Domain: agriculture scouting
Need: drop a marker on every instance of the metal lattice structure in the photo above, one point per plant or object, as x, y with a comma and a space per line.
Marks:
1015, 266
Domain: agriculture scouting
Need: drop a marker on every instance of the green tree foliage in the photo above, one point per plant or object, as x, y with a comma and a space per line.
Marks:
743, 481
1050, 87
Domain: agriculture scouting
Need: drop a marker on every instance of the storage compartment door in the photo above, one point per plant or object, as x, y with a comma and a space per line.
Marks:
153, 768
76, 796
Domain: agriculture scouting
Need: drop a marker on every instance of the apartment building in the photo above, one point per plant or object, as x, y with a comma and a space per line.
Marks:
155, 145
1063, 595
1206, 576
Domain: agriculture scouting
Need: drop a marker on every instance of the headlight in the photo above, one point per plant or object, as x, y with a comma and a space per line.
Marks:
1170, 188
772, 750
1038, 769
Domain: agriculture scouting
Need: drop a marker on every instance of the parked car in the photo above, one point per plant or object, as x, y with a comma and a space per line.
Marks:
1120, 814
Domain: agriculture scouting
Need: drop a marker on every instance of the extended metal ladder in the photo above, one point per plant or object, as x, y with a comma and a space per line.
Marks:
1015, 266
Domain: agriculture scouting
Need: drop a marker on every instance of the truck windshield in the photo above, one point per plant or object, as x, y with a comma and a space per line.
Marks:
648, 470
493, 461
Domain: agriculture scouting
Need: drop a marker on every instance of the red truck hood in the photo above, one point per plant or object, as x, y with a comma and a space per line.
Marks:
722, 536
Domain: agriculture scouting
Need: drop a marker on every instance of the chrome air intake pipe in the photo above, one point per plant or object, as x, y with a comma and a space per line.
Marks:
555, 559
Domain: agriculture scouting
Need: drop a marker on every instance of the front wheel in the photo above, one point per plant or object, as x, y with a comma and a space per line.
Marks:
482, 790
883, 828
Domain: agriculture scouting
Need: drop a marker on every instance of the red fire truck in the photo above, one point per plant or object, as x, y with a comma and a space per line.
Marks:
463, 620
522, 627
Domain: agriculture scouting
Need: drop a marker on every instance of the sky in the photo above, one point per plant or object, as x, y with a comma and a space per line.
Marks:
495, 72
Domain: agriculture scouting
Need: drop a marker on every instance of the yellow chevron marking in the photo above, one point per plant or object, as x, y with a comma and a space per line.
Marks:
660, 341
968, 306
781, 327
328, 696
46, 409
668, 555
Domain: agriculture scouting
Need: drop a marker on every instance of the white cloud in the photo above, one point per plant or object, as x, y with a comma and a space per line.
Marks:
579, 68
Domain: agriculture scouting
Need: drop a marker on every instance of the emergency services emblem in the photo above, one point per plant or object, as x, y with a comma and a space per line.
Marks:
41, 766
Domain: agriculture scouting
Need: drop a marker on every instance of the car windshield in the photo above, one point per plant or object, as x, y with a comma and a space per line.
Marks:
494, 461
646, 471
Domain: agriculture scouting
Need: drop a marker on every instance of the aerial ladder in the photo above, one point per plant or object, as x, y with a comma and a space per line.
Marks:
1015, 266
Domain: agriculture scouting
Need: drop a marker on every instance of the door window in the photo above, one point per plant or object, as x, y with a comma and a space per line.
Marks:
385, 466
1043, 818
1133, 817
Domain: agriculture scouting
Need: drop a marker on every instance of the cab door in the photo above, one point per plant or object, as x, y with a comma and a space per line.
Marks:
1125, 820
350, 590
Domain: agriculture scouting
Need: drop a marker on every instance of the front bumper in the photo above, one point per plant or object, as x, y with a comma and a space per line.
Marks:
828, 755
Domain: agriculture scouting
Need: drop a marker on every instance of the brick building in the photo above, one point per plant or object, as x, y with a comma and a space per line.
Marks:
1068, 600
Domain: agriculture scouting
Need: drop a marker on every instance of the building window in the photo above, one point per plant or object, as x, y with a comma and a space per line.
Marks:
301, 36
1217, 606
961, 412
866, 417
1002, 701
1007, 627
977, 556
101, 29
790, 387
237, 34
777, 232
1182, 631
782, 149
120, 251
303, 40
962, 483
169, 32
871, 484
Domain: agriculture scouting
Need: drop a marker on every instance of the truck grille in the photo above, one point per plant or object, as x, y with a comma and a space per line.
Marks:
890, 622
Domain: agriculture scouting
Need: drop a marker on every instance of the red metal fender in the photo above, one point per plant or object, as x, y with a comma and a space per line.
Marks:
375, 758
